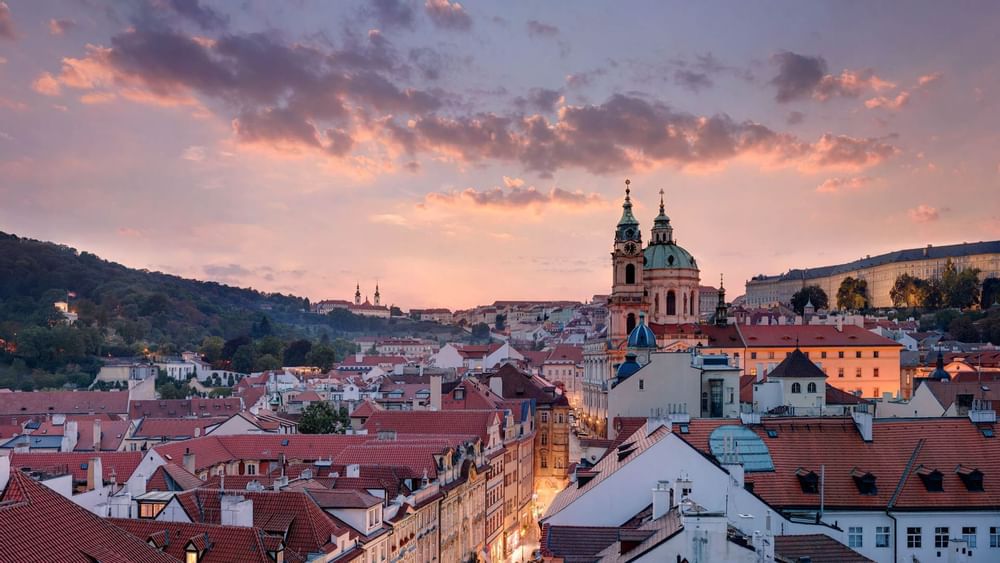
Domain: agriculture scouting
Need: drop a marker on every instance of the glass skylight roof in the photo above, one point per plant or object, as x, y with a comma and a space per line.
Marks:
744, 446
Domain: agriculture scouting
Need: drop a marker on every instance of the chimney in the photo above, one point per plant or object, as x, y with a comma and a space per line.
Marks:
682, 486
661, 499
359, 357
197, 431
70, 436
97, 434
435, 392
840, 323
95, 474
280, 482
236, 511
863, 421
353, 470
496, 385
189, 460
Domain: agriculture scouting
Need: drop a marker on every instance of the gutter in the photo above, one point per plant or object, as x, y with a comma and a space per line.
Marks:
895, 496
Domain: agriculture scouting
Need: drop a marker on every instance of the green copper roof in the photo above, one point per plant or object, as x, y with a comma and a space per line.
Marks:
661, 220
667, 255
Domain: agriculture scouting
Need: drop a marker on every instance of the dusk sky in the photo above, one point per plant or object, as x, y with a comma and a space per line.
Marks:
462, 153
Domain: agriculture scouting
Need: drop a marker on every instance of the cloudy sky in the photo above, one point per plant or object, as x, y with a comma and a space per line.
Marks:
461, 153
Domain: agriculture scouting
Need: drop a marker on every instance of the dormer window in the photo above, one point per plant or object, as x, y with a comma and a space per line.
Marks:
971, 478
932, 478
191, 554
864, 481
808, 480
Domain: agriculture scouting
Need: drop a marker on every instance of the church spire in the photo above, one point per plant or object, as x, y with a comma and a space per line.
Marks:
378, 297
357, 294
663, 233
721, 309
628, 225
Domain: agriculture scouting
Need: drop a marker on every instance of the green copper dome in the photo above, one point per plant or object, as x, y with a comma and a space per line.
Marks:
669, 255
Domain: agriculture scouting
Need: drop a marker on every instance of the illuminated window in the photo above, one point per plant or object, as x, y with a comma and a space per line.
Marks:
191, 554
150, 509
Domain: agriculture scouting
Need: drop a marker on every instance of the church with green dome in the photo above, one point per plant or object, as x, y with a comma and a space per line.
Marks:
659, 281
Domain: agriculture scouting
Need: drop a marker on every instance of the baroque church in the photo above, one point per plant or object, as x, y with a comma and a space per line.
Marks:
659, 282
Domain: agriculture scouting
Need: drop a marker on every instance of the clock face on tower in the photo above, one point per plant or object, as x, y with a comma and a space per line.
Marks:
630, 248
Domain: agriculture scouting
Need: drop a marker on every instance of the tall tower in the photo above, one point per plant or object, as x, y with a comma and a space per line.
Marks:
357, 294
627, 291
721, 309
378, 298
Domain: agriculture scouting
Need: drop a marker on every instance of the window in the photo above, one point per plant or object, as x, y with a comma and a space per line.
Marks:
191, 554
630, 323
150, 509
671, 303
822, 355
881, 536
855, 536
753, 355
545, 438
914, 538
941, 537
796, 387
753, 372
545, 461
840, 372
875, 373
251, 469
545, 416
630, 273
811, 388
994, 536
857, 372
969, 535
840, 354
770, 355
875, 354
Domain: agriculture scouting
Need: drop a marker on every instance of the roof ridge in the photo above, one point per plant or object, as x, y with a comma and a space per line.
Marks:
906, 473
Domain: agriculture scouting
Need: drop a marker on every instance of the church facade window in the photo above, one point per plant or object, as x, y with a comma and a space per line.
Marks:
671, 303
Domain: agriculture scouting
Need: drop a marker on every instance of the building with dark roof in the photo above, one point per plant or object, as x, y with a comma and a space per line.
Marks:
879, 271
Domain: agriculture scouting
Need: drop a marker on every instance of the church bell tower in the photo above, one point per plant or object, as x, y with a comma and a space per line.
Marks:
627, 299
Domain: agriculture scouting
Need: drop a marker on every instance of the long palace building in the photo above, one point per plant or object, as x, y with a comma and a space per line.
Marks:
879, 271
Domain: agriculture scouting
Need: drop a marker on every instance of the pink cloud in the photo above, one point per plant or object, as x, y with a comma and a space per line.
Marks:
923, 213
835, 185
888, 102
46, 84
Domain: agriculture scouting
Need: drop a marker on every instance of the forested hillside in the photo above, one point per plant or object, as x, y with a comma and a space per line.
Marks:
123, 311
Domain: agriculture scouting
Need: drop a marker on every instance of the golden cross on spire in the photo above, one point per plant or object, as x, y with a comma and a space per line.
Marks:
661, 200
627, 189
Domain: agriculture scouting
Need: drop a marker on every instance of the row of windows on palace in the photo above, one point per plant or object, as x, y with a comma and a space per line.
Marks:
858, 372
915, 537
823, 355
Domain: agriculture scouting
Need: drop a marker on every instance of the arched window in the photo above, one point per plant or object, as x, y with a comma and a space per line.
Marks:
630, 323
685, 303
671, 303
811, 388
656, 303
694, 304
796, 388
630, 273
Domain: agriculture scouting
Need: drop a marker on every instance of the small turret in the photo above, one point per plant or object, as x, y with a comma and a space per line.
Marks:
663, 232
357, 294
378, 297
721, 309
628, 225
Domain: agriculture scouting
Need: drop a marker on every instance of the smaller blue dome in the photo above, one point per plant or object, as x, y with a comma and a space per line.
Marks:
642, 336
939, 373
627, 368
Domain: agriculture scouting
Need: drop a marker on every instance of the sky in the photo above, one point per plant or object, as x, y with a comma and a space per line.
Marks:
457, 154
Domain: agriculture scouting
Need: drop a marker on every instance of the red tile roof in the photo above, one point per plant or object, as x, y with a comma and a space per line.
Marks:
898, 448
306, 527
366, 408
63, 402
807, 336
172, 477
40, 525
819, 548
212, 450
468, 423
122, 463
175, 428
576, 544
179, 408
565, 353
343, 498
519, 385
306, 396
112, 431
226, 543
947, 391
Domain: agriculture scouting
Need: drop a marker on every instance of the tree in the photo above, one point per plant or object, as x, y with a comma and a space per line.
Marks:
322, 356
317, 418
991, 292
480, 331
852, 294
233, 344
296, 352
211, 348
963, 330
810, 293
243, 359
261, 327
501, 322
271, 345
961, 289
906, 291
395, 311
267, 362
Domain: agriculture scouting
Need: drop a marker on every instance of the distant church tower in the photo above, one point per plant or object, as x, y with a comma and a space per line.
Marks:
378, 298
628, 295
357, 295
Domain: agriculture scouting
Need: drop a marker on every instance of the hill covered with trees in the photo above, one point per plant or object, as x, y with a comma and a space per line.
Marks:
123, 311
